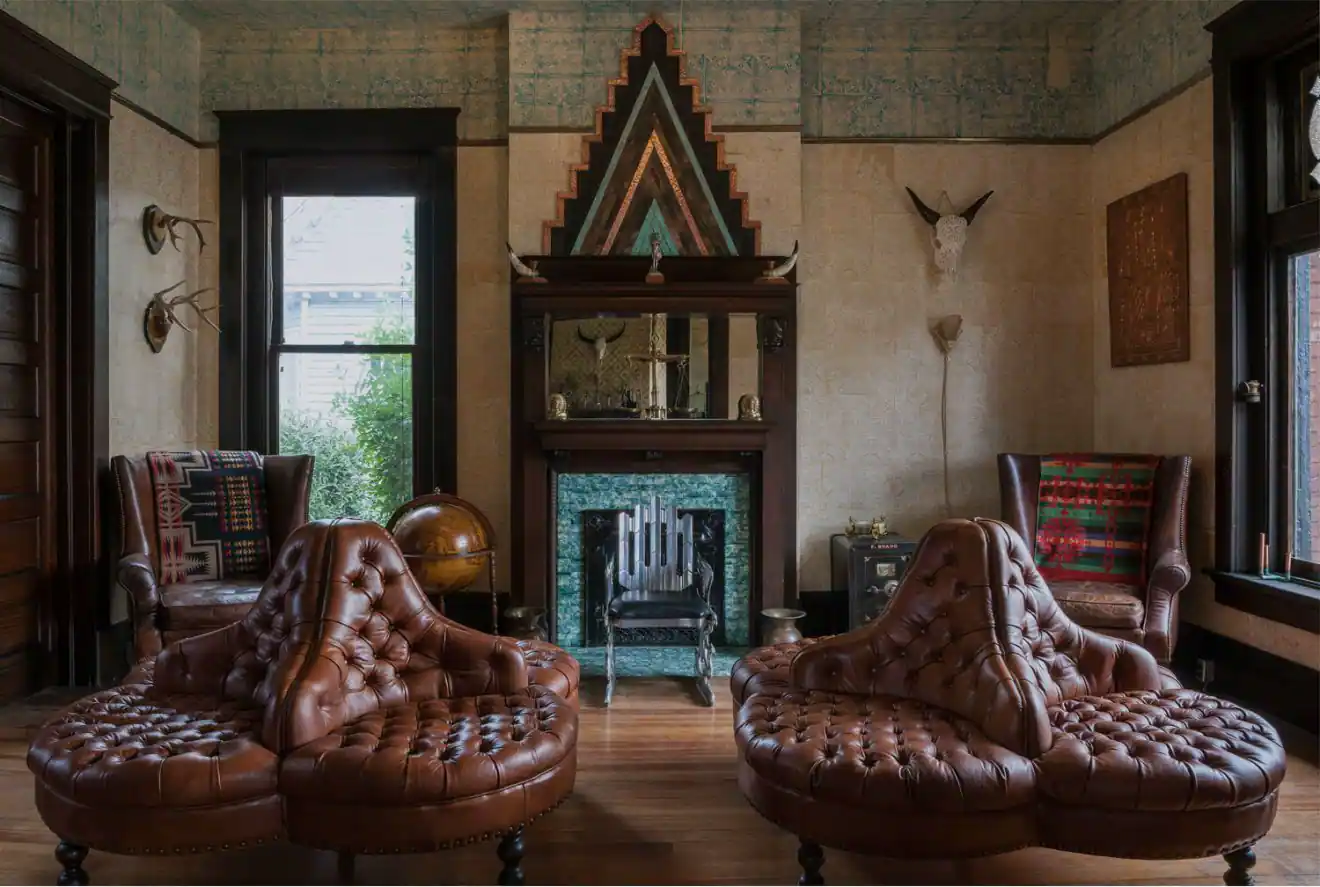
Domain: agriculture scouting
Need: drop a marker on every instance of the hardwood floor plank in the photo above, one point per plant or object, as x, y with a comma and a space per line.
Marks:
657, 802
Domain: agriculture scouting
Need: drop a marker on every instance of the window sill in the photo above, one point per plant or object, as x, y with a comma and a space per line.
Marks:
1275, 599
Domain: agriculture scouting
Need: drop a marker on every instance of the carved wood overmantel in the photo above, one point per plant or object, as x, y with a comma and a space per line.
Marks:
581, 289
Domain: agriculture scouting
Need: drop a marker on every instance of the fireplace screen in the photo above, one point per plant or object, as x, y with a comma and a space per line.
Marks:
600, 538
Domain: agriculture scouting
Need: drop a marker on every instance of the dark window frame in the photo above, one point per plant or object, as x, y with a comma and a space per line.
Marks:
265, 150
1263, 212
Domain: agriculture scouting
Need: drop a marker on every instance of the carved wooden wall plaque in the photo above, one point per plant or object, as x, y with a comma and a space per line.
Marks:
1148, 278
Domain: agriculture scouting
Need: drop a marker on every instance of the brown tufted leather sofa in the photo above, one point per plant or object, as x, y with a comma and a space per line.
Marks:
342, 711
973, 717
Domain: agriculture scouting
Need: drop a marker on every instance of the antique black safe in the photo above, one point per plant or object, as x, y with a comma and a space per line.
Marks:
868, 569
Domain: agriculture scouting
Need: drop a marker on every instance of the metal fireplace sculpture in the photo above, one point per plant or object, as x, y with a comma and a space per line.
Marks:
662, 582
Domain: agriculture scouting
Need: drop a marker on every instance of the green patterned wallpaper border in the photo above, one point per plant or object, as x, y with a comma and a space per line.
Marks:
145, 46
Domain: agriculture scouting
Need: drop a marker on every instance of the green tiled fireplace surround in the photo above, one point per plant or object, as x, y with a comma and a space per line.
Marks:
576, 493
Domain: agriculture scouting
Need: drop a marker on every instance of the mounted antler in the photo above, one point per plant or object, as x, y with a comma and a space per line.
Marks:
601, 343
158, 225
160, 315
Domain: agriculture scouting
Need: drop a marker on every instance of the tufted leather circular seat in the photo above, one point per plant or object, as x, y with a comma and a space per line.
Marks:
421, 772
813, 761
176, 767
765, 670
550, 667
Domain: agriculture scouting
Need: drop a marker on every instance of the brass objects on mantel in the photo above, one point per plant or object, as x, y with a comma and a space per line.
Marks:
877, 528
749, 408
557, 410
654, 275
158, 225
159, 316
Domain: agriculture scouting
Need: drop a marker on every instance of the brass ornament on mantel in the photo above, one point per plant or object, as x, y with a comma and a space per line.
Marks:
557, 409
779, 273
654, 275
749, 408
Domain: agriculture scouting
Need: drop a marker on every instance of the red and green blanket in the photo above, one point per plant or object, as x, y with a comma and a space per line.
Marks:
210, 515
1093, 516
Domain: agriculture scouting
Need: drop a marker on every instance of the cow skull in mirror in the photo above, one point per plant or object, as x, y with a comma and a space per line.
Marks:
948, 232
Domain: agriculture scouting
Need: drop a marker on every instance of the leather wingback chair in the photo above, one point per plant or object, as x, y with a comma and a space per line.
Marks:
162, 614
1144, 609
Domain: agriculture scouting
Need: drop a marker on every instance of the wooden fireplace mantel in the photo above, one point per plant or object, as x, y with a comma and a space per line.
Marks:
544, 448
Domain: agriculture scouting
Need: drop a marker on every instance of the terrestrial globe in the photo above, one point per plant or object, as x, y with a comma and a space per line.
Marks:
446, 541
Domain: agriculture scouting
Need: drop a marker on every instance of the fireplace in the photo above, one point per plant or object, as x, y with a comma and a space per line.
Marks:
586, 530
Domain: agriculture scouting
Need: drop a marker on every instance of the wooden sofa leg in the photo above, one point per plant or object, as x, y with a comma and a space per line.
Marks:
811, 858
510, 853
344, 863
71, 856
1240, 863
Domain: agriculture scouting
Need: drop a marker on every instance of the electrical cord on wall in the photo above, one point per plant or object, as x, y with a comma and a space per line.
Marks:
946, 332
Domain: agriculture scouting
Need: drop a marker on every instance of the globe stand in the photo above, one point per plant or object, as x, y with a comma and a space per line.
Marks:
439, 595
442, 537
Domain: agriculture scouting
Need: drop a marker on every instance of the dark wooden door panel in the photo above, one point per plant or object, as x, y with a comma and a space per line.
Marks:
18, 468
27, 432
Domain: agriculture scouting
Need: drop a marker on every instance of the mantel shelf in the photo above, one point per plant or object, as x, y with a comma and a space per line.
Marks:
669, 435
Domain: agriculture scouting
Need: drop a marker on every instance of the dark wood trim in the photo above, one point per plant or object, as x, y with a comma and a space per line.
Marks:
1145, 109
78, 98
1251, 225
1291, 603
542, 449
261, 149
163, 124
1272, 685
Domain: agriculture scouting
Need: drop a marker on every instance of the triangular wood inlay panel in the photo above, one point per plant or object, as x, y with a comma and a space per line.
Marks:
652, 165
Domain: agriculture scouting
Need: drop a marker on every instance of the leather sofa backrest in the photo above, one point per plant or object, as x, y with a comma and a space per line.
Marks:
288, 491
374, 641
972, 628
340, 629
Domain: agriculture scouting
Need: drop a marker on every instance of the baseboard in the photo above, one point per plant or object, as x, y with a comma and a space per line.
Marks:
1269, 684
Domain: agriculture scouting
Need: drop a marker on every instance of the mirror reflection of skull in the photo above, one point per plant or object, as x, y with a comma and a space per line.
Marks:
948, 233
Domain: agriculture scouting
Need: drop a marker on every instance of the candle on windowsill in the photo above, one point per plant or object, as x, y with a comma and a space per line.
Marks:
1264, 558
1287, 564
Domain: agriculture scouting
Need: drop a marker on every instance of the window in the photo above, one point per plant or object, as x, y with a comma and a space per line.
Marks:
1267, 219
338, 299
345, 343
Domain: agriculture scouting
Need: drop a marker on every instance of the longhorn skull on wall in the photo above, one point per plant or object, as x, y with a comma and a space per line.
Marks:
948, 232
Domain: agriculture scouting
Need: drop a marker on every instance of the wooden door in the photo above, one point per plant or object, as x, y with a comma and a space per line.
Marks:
27, 478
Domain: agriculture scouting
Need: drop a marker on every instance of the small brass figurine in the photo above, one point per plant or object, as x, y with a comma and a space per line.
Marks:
879, 526
749, 408
654, 275
558, 408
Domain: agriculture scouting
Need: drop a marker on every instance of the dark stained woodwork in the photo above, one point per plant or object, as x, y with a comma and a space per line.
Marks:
597, 184
28, 511
338, 151
69, 333
767, 450
1253, 225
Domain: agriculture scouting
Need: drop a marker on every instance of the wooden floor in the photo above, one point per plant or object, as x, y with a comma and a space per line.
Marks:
656, 803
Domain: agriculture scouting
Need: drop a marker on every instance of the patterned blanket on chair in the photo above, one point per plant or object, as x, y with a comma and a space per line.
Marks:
210, 515
1093, 515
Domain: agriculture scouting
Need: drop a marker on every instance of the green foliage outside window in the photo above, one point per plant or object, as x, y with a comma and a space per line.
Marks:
365, 470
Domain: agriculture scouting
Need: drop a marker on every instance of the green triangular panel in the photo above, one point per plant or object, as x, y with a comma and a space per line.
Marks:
654, 222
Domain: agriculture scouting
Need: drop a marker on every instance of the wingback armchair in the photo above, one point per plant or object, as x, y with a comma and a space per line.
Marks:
168, 606
1108, 532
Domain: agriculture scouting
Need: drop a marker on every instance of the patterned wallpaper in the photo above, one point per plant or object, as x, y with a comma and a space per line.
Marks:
1143, 49
360, 68
142, 44
902, 68
1028, 77
746, 59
